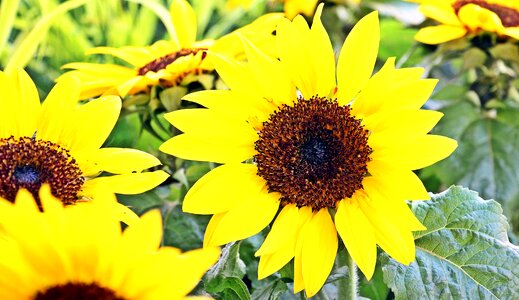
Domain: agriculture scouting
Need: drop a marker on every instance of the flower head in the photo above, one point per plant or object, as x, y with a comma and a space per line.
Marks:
459, 18
332, 148
167, 62
59, 143
79, 252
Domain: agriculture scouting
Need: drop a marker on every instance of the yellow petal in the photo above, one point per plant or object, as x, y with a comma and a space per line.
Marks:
357, 235
405, 123
223, 188
439, 34
118, 161
128, 184
396, 241
284, 227
19, 106
320, 241
236, 75
442, 12
294, 46
476, 17
210, 125
270, 263
267, 71
357, 57
58, 110
145, 235
305, 215
191, 147
399, 184
233, 104
422, 152
322, 59
512, 32
184, 22
294, 7
93, 123
244, 220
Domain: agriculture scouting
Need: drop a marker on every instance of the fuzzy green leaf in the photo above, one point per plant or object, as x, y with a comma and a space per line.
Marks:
463, 254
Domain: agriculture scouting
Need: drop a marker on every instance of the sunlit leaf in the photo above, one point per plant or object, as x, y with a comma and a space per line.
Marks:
463, 254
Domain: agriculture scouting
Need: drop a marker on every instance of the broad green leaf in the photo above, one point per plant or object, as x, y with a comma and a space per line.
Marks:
228, 288
272, 291
463, 254
182, 230
28, 46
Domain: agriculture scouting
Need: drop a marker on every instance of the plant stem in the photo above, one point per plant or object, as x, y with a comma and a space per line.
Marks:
353, 278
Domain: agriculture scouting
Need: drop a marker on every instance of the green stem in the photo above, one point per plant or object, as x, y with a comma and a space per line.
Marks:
353, 278
347, 286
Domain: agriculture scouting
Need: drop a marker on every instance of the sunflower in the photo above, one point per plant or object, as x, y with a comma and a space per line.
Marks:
459, 18
335, 155
59, 143
79, 252
167, 62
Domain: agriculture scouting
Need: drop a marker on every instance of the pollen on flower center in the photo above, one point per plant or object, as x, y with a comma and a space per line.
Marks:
509, 16
162, 62
314, 153
28, 163
77, 291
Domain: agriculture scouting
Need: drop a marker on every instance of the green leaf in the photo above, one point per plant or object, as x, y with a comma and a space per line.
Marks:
463, 254
272, 291
228, 288
374, 289
28, 46
183, 230
229, 264
224, 278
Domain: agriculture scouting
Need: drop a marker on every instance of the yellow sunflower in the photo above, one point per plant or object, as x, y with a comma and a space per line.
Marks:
79, 252
59, 143
463, 17
333, 153
166, 63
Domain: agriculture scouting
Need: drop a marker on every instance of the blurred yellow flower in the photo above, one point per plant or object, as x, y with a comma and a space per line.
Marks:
59, 142
459, 18
79, 252
292, 7
165, 63
313, 143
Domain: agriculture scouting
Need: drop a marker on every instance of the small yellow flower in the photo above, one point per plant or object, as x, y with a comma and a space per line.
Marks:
79, 252
59, 142
459, 18
166, 63
333, 148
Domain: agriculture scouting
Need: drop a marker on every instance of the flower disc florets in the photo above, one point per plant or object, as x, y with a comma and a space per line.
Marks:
313, 153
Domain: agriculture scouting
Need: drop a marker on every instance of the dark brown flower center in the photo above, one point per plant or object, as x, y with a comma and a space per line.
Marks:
313, 153
509, 16
77, 291
28, 163
162, 62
